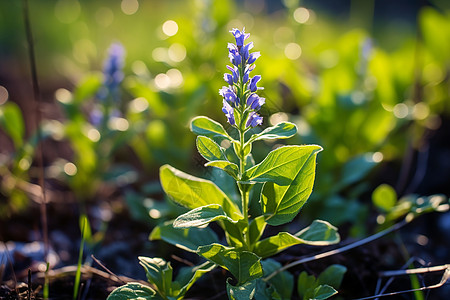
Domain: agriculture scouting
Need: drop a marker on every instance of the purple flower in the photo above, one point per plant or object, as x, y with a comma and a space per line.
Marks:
229, 95
255, 102
254, 120
235, 57
234, 74
252, 86
229, 112
244, 51
247, 71
112, 68
253, 57
240, 36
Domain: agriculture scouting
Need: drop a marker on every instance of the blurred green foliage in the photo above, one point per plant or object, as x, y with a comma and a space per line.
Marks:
360, 93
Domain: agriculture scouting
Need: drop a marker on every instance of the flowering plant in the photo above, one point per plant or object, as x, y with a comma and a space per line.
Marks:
286, 174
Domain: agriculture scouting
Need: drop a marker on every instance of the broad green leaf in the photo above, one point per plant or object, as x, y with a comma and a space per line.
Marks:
241, 292
209, 149
282, 130
159, 272
245, 266
188, 239
323, 292
187, 276
305, 285
281, 165
256, 229
234, 233
332, 276
281, 203
319, 233
201, 216
356, 169
133, 291
11, 120
192, 192
229, 167
265, 291
202, 125
283, 282
384, 197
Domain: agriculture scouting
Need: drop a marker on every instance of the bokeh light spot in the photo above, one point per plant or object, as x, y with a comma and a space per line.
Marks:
177, 52
94, 135
301, 15
420, 111
119, 124
63, 96
401, 110
278, 117
3, 95
67, 11
175, 77
70, 169
138, 105
377, 157
293, 51
162, 81
129, 7
170, 28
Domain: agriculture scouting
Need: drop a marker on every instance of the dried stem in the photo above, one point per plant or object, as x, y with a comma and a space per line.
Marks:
37, 119
340, 250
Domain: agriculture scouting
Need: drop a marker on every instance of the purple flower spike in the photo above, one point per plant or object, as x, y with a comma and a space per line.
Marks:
255, 102
253, 57
252, 86
239, 36
229, 112
254, 120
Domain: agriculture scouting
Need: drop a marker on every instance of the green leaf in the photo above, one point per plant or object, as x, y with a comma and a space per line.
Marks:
209, 149
133, 290
356, 169
192, 192
245, 266
159, 272
256, 229
319, 233
241, 292
201, 216
332, 276
229, 167
305, 285
282, 130
187, 276
281, 203
282, 282
11, 120
281, 165
234, 233
205, 126
384, 197
323, 292
188, 239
